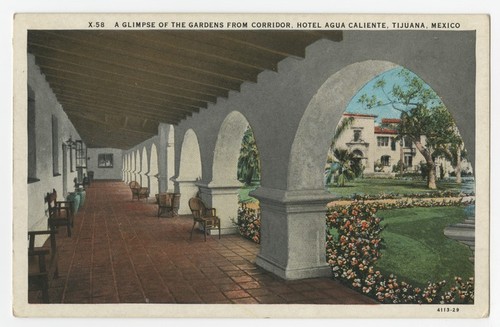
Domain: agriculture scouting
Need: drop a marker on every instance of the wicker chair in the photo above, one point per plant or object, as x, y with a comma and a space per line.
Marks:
207, 217
138, 191
168, 203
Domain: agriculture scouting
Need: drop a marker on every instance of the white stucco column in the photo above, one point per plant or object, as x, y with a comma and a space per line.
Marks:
187, 189
293, 232
224, 198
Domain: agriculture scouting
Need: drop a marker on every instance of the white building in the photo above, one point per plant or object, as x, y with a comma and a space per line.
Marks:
379, 150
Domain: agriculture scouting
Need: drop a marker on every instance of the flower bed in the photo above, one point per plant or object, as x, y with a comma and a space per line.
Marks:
248, 223
353, 246
428, 195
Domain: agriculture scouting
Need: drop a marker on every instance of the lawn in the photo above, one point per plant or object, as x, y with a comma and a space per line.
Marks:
243, 193
417, 250
373, 186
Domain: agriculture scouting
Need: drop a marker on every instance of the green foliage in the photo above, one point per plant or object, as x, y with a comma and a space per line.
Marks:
248, 161
344, 167
422, 114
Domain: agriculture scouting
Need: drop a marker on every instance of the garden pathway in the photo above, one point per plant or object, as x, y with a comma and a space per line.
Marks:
120, 252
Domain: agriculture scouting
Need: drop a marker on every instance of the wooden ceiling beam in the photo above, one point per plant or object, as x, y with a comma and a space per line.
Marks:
124, 52
114, 41
85, 94
137, 66
69, 104
55, 73
119, 76
182, 40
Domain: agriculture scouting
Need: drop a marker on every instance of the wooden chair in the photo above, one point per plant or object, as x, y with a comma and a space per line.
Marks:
207, 217
60, 212
168, 203
42, 263
138, 191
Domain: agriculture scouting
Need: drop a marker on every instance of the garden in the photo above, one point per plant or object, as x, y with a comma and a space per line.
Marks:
385, 236
391, 245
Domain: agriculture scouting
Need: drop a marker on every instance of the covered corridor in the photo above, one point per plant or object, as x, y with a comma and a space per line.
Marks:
120, 252
168, 109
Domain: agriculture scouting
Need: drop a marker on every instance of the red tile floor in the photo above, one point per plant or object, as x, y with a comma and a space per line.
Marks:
120, 252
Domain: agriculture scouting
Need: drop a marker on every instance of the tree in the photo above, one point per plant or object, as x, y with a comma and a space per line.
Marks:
248, 161
345, 166
423, 117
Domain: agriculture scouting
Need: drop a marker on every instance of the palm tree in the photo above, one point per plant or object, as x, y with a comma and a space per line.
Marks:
345, 166
249, 161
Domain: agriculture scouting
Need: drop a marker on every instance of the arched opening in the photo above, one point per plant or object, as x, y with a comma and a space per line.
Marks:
153, 170
189, 170
225, 191
170, 158
137, 167
145, 180
399, 125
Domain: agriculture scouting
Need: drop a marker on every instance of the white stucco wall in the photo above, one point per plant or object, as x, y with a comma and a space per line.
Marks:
46, 106
105, 173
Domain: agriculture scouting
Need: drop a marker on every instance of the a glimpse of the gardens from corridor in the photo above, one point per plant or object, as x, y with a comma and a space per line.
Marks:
406, 255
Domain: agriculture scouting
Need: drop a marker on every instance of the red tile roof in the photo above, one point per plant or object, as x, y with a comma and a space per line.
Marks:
380, 130
391, 120
358, 115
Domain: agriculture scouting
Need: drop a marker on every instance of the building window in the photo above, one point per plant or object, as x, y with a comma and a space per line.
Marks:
55, 146
407, 142
31, 137
105, 160
393, 144
409, 160
357, 135
383, 141
385, 160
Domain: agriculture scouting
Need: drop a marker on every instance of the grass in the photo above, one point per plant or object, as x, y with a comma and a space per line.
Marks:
416, 249
243, 193
374, 186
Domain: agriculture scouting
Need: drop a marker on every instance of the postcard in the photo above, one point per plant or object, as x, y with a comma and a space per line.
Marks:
251, 166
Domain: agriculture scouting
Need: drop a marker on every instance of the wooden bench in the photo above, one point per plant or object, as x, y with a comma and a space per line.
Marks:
42, 263
60, 212
168, 203
138, 191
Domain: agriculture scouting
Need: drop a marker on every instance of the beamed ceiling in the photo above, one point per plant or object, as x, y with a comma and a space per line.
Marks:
117, 86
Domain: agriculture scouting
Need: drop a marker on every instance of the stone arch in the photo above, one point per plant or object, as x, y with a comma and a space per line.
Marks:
170, 153
124, 167
313, 136
144, 168
189, 170
137, 166
227, 150
129, 168
153, 170
222, 192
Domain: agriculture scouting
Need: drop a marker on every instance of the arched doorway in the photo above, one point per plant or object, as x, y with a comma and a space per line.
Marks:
189, 170
222, 192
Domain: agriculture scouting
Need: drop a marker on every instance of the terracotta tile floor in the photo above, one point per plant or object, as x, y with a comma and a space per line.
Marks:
120, 252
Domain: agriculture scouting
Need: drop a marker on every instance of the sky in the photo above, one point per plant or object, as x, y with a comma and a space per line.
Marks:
391, 77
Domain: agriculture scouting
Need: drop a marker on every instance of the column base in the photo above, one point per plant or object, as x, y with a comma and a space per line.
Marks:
289, 273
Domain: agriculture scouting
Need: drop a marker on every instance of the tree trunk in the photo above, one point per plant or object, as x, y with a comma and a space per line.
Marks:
431, 177
401, 158
456, 163
431, 166
458, 174
458, 167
